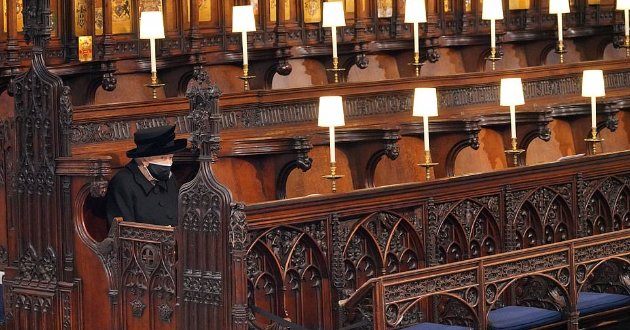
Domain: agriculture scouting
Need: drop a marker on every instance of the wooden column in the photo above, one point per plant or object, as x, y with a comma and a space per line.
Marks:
212, 232
40, 291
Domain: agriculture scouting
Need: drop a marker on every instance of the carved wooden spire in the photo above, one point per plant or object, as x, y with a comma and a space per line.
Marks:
40, 286
212, 231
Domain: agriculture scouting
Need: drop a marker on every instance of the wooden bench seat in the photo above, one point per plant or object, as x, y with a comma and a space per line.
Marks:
521, 317
436, 326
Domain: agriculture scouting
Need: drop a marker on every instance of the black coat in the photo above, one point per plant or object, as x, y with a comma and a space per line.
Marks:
131, 196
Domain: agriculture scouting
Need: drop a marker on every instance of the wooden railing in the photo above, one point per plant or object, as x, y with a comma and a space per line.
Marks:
481, 285
306, 252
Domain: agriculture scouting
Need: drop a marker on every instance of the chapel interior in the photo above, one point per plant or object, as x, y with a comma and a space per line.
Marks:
350, 164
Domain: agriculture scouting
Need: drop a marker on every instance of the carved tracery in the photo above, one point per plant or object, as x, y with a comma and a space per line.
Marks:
287, 272
381, 243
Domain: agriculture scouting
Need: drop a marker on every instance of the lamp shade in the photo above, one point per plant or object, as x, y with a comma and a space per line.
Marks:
151, 25
243, 19
593, 83
333, 14
415, 11
623, 4
492, 9
511, 92
425, 102
330, 111
558, 6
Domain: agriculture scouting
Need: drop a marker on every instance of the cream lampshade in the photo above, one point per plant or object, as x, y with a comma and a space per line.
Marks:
593, 83
492, 10
243, 21
593, 86
151, 25
559, 7
511, 94
333, 17
425, 105
425, 102
331, 115
415, 12
330, 111
623, 4
333, 14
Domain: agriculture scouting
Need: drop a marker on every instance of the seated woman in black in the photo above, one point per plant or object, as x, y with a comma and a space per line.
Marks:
145, 190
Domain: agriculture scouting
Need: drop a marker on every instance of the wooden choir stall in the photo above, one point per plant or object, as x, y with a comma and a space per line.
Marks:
501, 222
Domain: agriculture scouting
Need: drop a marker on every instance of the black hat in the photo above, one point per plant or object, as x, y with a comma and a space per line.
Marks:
156, 141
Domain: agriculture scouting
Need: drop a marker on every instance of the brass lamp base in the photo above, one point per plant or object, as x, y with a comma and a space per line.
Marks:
416, 63
626, 45
154, 85
333, 177
427, 165
560, 50
493, 57
246, 77
514, 152
336, 69
593, 141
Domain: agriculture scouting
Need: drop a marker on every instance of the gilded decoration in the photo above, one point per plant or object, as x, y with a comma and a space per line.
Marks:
518, 4
204, 10
150, 5
349, 6
312, 11
273, 10
81, 17
18, 13
98, 20
384, 8
121, 16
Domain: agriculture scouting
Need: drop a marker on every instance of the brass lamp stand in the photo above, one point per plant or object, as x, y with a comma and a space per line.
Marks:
333, 176
514, 152
593, 141
560, 50
626, 45
154, 85
336, 69
246, 77
493, 57
416, 63
427, 164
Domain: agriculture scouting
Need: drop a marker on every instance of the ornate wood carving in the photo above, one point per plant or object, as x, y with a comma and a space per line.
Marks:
468, 229
208, 299
540, 216
38, 202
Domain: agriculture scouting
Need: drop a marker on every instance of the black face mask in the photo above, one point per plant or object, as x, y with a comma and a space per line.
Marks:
159, 172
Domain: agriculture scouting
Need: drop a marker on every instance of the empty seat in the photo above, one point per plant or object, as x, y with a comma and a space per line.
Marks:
436, 326
593, 302
521, 317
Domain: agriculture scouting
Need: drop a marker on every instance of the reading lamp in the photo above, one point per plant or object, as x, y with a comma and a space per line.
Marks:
152, 27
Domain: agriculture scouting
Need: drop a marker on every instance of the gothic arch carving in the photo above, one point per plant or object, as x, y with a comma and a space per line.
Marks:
289, 266
608, 206
539, 216
381, 243
467, 229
